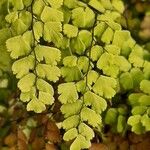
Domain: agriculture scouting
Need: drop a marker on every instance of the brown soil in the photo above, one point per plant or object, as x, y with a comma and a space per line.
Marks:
130, 142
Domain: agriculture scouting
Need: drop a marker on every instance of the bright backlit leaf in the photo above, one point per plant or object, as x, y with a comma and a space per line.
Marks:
70, 30
105, 86
65, 96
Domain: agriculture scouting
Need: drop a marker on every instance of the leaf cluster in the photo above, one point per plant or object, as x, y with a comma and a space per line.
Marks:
76, 52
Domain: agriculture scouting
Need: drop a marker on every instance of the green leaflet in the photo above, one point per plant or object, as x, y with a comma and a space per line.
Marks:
111, 116
27, 96
137, 76
70, 30
71, 73
81, 86
71, 109
106, 4
105, 63
105, 86
112, 64
90, 116
126, 81
18, 4
81, 42
96, 52
67, 97
46, 98
28, 38
121, 123
113, 25
36, 106
97, 103
26, 83
138, 128
52, 32
18, 47
86, 131
139, 100
99, 30
147, 70
70, 134
11, 17
136, 56
83, 18
51, 55
27, 2
74, 67
123, 40
133, 98
109, 17
67, 14
71, 122
51, 14
86, 37
92, 77
113, 49
70, 3
83, 62
26, 18
120, 37
139, 110
107, 36
116, 118
55, 3
97, 5
122, 63
38, 30
44, 86
146, 122
133, 120
118, 5
22, 23
52, 73
144, 100
80, 143
22, 66
38, 7
77, 45
70, 61
144, 86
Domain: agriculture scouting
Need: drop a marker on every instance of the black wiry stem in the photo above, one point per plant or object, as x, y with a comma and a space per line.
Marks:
90, 48
34, 45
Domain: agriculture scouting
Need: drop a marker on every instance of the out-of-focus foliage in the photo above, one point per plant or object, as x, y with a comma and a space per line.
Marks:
137, 20
7, 80
3, 12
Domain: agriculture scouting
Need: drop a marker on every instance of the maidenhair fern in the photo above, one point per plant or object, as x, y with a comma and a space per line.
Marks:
35, 64
140, 102
79, 47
